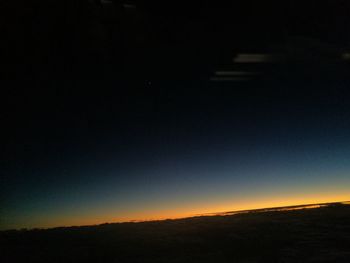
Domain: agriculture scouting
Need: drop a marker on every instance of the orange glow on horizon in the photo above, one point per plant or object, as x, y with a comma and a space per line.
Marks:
196, 210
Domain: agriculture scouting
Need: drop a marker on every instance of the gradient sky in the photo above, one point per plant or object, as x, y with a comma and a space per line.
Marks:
158, 150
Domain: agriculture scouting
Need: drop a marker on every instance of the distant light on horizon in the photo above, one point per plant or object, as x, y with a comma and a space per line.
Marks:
346, 56
201, 209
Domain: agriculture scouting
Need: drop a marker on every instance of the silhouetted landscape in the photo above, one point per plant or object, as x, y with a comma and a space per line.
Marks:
305, 235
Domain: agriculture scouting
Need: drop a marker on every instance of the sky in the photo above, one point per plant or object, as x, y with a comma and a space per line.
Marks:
92, 157
145, 134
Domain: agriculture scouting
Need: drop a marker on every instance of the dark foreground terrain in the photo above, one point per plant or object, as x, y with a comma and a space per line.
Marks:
306, 235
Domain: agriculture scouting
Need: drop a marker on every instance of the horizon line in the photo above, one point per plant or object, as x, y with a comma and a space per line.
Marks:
226, 213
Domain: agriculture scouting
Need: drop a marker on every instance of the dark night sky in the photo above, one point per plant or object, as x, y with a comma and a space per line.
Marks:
96, 147
162, 150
